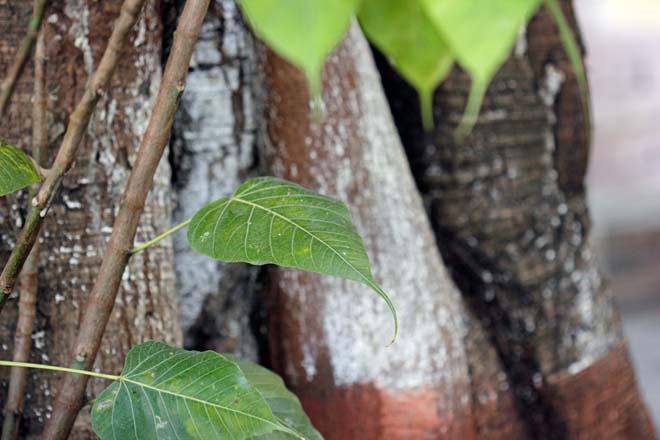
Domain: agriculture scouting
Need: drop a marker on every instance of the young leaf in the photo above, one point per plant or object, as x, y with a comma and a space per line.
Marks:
16, 169
302, 31
269, 220
284, 404
480, 33
404, 33
170, 393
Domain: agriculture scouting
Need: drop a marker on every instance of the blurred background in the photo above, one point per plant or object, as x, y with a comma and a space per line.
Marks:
623, 44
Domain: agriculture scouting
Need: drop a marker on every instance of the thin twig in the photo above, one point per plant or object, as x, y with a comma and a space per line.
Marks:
29, 280
8, 85
66, 154
102, 297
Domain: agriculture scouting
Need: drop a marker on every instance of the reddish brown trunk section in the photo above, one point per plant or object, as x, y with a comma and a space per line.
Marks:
419, 388
602, 401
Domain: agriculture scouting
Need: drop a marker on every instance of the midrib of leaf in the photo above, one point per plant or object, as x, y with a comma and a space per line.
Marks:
366, 280
123, 379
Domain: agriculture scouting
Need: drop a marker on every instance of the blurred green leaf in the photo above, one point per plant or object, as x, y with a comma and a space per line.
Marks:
16, 169
413, 45
284, 404
303, 31
480, 34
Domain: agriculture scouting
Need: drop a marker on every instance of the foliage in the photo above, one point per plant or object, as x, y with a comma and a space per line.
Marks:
16, 169
270, 220
412, 44
303, 31
421, 38
284, 404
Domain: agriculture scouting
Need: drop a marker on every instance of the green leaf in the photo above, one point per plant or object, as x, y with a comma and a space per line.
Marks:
303, 31
480, 33
170, 393
284, 404
16, 169
269, 220
404, 33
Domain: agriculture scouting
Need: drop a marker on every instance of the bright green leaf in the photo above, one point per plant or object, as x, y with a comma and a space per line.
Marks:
269, 220
303, 31
480, 33
284, 404
16, 169
170, 393
404, 33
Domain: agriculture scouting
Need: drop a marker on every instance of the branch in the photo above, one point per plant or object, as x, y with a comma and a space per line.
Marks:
102, 297
29, 280
8, 85
66, 154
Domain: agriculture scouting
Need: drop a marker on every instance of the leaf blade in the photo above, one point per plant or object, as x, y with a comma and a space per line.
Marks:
403, 31
270, 220
167, 392
303, 31
284, 404
16, 169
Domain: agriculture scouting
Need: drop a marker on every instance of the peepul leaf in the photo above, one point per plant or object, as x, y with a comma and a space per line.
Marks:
480, 34
16, 169
170, 393
269, 220
302, 31
413, 45
284, 404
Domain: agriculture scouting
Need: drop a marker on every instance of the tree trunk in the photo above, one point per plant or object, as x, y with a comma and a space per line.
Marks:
509, 211
79, 223
213, 153
328, 336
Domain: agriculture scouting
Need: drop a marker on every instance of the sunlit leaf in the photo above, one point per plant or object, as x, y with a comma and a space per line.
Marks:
413, 45
170, 393
303, 31
269, 220
480, 34
284, 404
16, 169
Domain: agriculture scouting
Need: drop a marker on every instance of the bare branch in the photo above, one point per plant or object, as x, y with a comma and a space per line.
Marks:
8, 85
29, 280
66, 154
102, 298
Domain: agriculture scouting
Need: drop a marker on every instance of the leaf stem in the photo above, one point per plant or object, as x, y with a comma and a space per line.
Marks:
57, 368
153, 241
574, 54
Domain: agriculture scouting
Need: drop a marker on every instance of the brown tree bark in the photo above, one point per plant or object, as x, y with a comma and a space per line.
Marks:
328, 336
509, 210
76, 232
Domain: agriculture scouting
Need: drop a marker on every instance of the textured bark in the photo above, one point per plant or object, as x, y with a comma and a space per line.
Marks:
213, 152
328, 336
509, 210
78, 226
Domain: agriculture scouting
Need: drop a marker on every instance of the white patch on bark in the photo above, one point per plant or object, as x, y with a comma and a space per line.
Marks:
389, 214
217, 145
